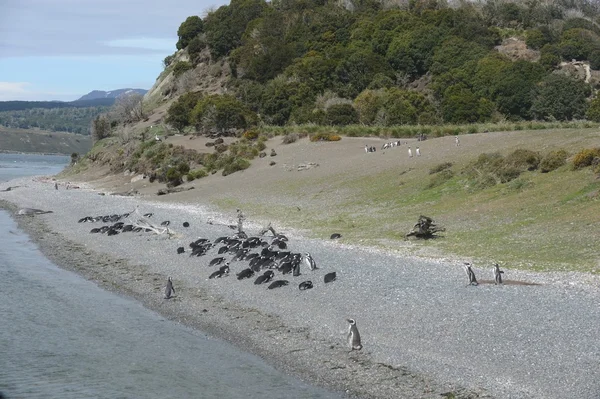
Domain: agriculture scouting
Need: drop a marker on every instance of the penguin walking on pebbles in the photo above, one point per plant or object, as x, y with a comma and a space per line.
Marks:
470, 274
169, 289
329, 277
353, 336
497, 274
310, 262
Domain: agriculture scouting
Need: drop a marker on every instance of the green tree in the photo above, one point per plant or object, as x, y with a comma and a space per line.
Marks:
222, 112
454, 52
593, 112
188, 30
358, 70
179, 113
561, 97
341, 115
461, 105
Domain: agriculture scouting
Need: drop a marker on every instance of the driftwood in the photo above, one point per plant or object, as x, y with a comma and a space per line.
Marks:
139, 220
240, 226
425, 228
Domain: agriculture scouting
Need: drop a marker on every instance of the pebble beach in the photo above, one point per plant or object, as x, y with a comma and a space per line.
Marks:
425, 333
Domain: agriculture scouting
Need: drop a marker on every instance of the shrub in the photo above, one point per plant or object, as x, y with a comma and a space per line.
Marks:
585, 157
439, 168
234, 165
221, 148
180, 67
324, 137
440, 178
173, 177
290, 138
183, 168
553, 160
523, 160
250, 134
196, 174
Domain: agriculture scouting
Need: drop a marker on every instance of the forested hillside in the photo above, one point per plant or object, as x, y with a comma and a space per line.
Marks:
71, 119
383, 63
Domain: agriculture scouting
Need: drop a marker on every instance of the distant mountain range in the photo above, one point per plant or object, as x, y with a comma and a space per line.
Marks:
96, 94
92, 99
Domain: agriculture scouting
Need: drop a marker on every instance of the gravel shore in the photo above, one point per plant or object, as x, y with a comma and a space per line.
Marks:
425, 333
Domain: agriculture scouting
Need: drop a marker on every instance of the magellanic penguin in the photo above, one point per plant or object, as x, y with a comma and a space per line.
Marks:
169, 289
353, 336
329, 277
497, 274
470, 274
310, 262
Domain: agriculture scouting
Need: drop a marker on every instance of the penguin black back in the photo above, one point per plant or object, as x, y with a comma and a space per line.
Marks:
329, 277
278, 283
305, 285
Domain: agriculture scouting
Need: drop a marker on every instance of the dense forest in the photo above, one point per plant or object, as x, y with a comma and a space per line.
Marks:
70, 119
56, 116
376, 63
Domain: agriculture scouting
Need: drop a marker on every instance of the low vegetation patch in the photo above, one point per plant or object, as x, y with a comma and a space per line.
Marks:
325, 137
553, 160
586, 157
440, 167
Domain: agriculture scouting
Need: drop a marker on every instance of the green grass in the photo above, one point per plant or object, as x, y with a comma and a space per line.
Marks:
522, 224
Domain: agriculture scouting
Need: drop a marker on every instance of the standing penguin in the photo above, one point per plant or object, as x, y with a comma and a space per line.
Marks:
353, 336
470, 274
409, 152
497, 274
169, 289
310, 262
418, 152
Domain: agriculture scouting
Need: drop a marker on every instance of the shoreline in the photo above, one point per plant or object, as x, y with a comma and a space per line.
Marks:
309, 345
328, 365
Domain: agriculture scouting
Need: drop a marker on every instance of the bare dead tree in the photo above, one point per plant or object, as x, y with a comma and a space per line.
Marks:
100, 128
130, 108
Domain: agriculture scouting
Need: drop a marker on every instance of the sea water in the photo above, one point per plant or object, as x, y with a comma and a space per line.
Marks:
61, 336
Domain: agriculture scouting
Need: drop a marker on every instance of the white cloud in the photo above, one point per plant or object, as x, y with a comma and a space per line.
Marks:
149, 43
13, 88
25, 91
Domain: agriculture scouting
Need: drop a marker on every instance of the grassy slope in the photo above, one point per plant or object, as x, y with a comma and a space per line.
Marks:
538, 222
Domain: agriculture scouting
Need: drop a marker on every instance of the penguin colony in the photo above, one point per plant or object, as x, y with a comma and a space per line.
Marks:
257, 258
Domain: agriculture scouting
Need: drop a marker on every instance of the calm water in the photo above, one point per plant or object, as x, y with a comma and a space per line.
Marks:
63, 337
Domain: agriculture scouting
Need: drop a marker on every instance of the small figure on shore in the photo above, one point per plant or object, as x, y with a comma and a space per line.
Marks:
470, 274
353, 336
169, 289
367, 150
278, 283
55, 185
418, 152
305, 285
409, 152
310, 262
329, 277
497, 274
457, 141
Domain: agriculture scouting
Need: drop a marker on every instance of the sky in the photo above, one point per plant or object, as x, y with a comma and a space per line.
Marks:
63, 49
